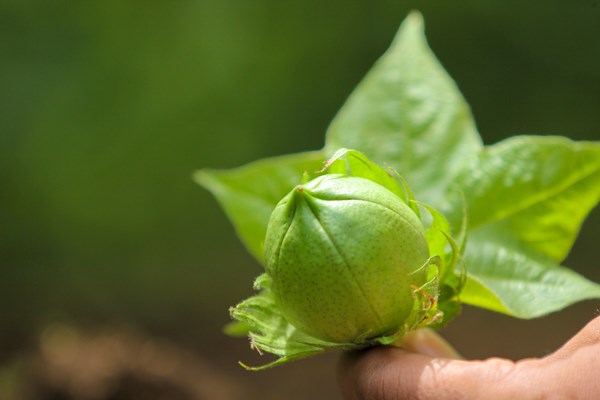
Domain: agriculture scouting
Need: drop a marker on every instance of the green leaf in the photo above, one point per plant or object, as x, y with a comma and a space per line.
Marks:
408, 113
250, 193
520, 285
533, 191
526, 199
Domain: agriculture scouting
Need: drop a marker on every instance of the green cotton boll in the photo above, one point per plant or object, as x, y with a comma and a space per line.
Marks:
345, 256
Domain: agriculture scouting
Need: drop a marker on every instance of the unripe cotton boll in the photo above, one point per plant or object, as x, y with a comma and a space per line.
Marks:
345, 255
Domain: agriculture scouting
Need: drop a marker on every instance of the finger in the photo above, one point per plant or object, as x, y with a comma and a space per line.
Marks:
426, 341
394, 373
572, 375
588, 336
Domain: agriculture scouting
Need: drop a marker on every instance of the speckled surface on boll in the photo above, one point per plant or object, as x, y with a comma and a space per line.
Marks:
344, 254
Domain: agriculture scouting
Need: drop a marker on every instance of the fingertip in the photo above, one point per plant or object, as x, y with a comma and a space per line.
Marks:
589, 335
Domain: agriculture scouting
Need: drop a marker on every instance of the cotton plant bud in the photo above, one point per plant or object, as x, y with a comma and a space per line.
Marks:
345, 256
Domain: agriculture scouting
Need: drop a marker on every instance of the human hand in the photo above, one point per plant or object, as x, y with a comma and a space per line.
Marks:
427, 368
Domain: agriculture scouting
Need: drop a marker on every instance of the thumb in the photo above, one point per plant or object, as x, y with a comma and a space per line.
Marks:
427, 342
397, 373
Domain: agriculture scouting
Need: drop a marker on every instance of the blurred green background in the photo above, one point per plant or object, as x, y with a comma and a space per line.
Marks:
107, 108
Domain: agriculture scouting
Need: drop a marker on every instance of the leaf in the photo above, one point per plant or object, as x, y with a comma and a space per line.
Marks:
526, 198
533, 191
518, 284
409, 114
250, 193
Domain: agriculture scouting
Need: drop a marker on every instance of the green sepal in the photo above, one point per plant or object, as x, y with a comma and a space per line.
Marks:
270, 332
354, 163
452, 273
237, 329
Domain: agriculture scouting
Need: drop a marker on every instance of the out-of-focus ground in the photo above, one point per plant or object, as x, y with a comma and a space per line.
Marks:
116, 270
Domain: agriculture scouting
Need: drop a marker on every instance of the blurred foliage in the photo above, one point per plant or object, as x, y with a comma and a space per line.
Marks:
107, 107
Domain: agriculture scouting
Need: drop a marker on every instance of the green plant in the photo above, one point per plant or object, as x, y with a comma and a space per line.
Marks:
497, 220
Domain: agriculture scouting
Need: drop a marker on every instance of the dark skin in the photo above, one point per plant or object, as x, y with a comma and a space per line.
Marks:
427, 368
